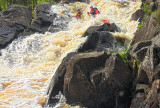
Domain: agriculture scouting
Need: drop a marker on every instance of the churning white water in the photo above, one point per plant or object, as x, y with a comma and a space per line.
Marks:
28, 64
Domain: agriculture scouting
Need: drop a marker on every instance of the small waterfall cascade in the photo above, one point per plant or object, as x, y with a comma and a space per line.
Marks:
28, 63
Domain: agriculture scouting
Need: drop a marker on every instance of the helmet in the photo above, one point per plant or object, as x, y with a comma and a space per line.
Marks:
78, 9
91, 6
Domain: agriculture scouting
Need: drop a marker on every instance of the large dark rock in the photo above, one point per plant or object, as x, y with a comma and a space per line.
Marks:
71, 1
151, 61
57, 83
137, 100
92, 30
116, 69
16, 14
42, 18
146, 54
153, 97
148, 1
156, 40
139, 95
105, 27
142, 76
9, 33
98, 41
91, 43
147, 96
135, 55
138, 15
142, 88
138, 51
149, 30
99, 38
101, 83
154, 6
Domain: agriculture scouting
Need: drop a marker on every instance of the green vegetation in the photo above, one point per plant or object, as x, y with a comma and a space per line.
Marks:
157, 17
138, 64
147, 11
123, 54
5, 3
140, 24
124, 57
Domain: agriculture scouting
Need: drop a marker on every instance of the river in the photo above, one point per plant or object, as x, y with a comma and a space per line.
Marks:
28, 64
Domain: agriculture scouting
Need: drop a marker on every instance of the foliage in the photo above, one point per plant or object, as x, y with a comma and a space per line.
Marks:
146, 9
138, 64
123, 54
124, 57
141, 23
157, 17
147, 13
3, 5
31, 3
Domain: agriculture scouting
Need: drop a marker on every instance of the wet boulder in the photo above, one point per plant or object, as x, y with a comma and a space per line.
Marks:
71, 1
57, 83
142, 76
156, 40
9, 33
102, 81
16, 14
139, 50
149, 30
116, 69
148, 1
105, 27
113, 28
42, 18
150, 63
143, 88
153, 97
146, 54
98, 41
100, 38
138, 15
139, 95
154, 6
91, 43
101, 41
137, 100
92, 30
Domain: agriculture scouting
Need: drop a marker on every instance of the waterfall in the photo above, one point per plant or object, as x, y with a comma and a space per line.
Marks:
28, 63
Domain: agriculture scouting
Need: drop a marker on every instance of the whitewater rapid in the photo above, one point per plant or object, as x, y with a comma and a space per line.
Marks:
28, 64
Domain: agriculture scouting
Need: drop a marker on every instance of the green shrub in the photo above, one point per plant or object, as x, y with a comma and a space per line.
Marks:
146, 9
138, 64
123, 54
140, 24
157, 17
124, 57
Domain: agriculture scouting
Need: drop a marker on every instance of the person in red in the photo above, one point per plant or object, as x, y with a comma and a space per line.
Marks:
94, 11
79, 14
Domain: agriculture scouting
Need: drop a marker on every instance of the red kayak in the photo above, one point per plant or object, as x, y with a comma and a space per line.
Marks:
106, 21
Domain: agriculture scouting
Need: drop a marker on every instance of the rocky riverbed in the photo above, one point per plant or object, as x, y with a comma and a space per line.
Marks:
94, 74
